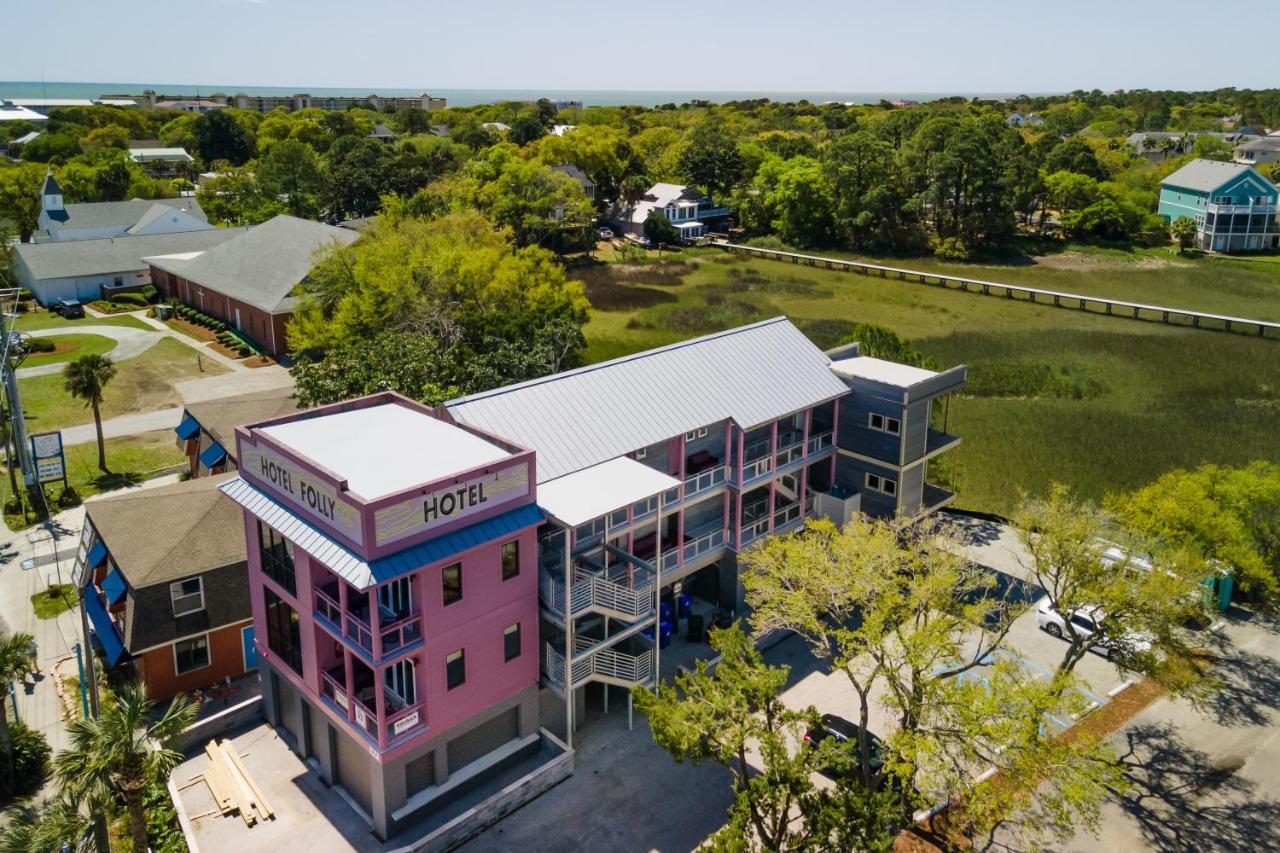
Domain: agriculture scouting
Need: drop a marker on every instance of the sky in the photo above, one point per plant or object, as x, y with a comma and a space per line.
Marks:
746, 45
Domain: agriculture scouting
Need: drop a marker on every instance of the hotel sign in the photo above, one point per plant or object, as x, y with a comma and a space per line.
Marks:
302, 489
420, 514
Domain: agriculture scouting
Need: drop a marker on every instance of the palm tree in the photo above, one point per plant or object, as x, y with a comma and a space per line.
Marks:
85, 379
15, 662
124, 750
49, 827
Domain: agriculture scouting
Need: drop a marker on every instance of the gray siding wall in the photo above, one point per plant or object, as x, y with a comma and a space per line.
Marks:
911, 488
851, 475
917, 429
852, 432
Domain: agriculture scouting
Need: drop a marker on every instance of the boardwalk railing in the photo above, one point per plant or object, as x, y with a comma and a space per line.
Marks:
1058, 299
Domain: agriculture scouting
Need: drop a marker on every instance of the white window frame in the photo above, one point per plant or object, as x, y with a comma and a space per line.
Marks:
173, 599
694, 435
401, 678
883, 485
513, 628
450, 658
885, 422
396, 592
208, 654
641, 453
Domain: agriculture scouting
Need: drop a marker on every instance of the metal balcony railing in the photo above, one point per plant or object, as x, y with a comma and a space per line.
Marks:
819, 442
633, 598
610, 663
704, 480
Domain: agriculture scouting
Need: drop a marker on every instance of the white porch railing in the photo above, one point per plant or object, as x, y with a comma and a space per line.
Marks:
819, 443
606, 663
592, 591
757, 469
704, 480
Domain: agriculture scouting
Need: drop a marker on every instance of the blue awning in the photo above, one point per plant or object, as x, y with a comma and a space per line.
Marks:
212, 455
114, 586
103, 628
189, 427
97, 554
455, 542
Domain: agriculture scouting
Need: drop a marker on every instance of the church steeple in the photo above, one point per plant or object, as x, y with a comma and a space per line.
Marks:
51, 195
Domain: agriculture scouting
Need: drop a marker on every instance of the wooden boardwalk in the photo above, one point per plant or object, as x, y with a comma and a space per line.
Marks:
1056, 298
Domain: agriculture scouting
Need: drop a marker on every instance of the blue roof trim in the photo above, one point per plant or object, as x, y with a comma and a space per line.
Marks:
455, 542
97, 554
212, 455
189, 427
114, 586
103, 628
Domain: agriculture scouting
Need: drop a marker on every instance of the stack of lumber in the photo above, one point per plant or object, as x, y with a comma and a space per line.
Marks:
232, 787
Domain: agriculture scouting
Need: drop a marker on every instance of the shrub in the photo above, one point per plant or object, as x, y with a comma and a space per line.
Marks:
136, 299
25, 295
41, 345
952, 249
69, 497
150, 293
22, 307
13, 505
30, 759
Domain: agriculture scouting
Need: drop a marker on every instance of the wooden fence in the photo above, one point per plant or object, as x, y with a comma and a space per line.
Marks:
1056, 298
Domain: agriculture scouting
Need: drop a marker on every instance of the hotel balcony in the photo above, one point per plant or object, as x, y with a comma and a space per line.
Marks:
933, 498
937, 441
627, 663
400, 721
397, 632
624, 590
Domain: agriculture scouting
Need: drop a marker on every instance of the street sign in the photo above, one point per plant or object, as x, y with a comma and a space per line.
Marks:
46, 449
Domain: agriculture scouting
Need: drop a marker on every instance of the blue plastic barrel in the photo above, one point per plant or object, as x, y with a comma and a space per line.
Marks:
665, 629
684, 605
665, 610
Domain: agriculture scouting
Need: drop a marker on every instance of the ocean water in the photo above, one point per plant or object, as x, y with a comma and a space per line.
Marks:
471, 97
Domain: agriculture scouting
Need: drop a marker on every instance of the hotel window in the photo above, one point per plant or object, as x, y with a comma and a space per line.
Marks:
455, 668
401, 680
451, 581
884, 423
284, 635
394, 597
187, 596
700, 432
882, 484
191, 654
511, 642
277, 558
510, 559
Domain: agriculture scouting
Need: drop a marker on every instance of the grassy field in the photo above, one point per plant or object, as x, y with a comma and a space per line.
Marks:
70, 347
142, 384
1236, 285
131, 459
1101, 403
35, 320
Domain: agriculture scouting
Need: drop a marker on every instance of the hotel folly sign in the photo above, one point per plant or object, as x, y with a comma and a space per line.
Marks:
302, 490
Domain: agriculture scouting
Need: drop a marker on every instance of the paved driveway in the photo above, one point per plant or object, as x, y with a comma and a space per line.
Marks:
129, 342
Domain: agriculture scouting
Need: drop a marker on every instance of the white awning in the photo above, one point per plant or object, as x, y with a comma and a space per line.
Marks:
592, 492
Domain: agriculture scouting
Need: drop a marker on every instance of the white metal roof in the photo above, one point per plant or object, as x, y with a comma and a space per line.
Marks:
381, 450
590, 493
579, 418
879, 370
13, 112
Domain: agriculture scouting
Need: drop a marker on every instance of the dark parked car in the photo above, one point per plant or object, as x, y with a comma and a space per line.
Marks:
843, 731
69, 308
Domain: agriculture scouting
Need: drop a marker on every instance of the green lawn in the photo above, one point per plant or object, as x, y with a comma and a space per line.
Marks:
131, 459
72, 346
48, 606
1130, 400
34, 320
142, 384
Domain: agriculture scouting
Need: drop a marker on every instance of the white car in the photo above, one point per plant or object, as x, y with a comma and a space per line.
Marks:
604, 233
1084, 622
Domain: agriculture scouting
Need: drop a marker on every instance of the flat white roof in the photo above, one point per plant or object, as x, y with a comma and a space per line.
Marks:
879, 370
590, 493
383, 449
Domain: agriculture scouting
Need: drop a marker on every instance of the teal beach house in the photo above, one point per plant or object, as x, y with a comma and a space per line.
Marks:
1233, 206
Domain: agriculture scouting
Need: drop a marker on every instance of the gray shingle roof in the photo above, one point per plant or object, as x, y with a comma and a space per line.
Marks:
114, 254
1207, 175
170, 532
263, 265
123, 214
583, 417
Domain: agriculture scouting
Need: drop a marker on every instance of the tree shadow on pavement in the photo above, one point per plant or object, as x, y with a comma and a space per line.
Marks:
1248, 689
1183, 801
972, 531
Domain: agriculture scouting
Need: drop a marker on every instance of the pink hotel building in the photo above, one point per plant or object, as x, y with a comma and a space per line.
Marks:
430, 588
